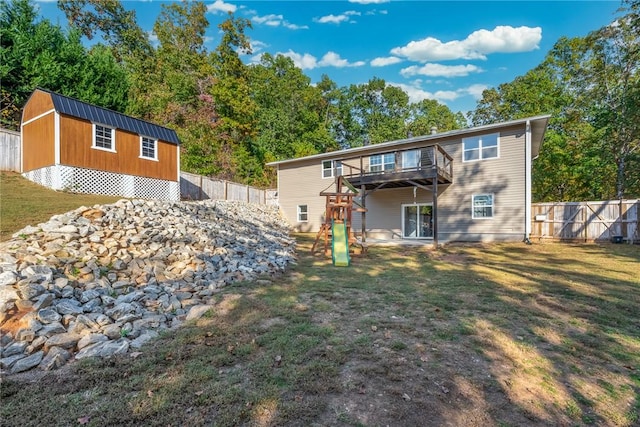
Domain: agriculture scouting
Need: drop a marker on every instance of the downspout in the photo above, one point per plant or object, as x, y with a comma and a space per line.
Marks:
527, 184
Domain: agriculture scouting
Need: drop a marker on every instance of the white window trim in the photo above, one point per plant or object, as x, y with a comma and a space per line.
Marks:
382, 157
480, 148
155, 149
298, 212
402, 215
113, 138
333, 168
493, 206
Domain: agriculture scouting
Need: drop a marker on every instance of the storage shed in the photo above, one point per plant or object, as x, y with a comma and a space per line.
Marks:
71, 145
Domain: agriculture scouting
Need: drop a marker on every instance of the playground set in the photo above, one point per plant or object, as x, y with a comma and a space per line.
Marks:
336, 231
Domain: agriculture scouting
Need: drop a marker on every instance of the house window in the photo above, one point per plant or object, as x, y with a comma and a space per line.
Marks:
411, 159
382, 162
303, 214
482, 206
331, 168
148, 148
103, 138
480, 147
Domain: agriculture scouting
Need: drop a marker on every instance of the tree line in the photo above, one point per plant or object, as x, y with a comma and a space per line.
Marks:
233, 118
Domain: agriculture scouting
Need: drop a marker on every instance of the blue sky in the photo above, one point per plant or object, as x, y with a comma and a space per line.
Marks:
448, 51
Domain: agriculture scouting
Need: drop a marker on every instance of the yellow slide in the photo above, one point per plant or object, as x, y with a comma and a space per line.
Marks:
340, 244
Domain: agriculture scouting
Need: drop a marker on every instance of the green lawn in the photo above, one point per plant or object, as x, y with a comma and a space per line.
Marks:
470, 335
24, 203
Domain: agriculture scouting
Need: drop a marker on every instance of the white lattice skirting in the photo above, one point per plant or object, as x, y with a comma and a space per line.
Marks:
91, 181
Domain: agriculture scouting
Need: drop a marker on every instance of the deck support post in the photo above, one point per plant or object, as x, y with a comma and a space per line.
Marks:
363, 191
434, 194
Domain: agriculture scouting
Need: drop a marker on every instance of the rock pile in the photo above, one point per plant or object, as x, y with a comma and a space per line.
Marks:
103, 280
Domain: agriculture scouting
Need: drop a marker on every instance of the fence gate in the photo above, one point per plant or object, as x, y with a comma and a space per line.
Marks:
586, 221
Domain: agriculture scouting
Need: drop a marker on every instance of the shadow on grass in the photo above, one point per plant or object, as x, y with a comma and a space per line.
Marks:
470, 335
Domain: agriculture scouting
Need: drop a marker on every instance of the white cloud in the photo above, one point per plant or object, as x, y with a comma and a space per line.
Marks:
417, 94
307, 61
476, 90
270, 20
382, 62
275, 21
332, 19
304, 61
439, 70
477, 45
352, 13
332, 59
219, 6
257, 46
369, 1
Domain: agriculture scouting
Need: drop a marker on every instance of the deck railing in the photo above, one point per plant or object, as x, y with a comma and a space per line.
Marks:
433, 160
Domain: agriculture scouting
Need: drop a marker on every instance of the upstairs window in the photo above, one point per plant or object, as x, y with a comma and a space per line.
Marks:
382, 162
480, 147
148, 149
482, 206
331, 168
103, 137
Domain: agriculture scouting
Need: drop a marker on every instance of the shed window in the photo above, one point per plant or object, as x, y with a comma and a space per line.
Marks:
382, 162
480, 147
148, 148
303, 214
103, 138
331, 168
482, 206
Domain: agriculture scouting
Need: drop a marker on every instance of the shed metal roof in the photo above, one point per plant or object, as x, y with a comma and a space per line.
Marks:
73, 107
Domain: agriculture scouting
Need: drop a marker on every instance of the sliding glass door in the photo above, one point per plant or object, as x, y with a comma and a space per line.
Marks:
417, 221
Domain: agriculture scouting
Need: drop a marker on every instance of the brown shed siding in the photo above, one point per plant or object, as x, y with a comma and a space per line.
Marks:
76, 150
38, 145
40, 102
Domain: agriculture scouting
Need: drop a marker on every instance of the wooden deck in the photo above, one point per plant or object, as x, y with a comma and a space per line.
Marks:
435, 166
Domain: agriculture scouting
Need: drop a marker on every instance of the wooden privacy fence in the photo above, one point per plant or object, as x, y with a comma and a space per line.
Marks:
610, 220
10, 150
198, 187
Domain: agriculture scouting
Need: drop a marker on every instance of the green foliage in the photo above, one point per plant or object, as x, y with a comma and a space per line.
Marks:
233, 118
39, 54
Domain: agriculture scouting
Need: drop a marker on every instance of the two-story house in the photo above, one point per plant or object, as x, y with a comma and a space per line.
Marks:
464, 185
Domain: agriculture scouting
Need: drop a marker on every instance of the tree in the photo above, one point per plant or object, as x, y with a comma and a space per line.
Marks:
39, 54
291, 112
117, 26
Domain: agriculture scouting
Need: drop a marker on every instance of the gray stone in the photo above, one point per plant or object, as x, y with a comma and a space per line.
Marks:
8, 278
28, 290
7, 362
14, 348
198, 311
55, 358
52, 329
91, 339
48, 315
143, 339
64, 340
69, 306
28, 362
8, 294
104, 349
112, 331
39, 272
27, 335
